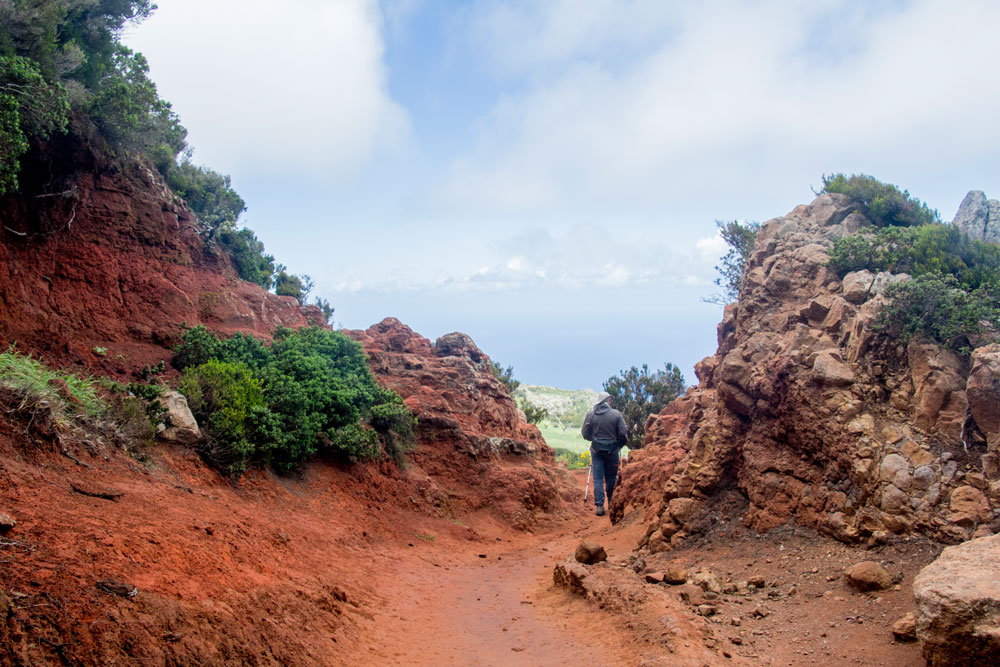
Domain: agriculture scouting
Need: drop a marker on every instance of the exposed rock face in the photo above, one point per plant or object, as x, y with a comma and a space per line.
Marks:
469, 429
958, 604
983, 392
979, 217
815, 418
120, 265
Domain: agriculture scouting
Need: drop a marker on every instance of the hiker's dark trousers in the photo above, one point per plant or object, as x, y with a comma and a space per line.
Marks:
605, 474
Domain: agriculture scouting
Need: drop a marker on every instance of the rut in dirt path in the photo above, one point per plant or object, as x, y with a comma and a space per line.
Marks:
449, 608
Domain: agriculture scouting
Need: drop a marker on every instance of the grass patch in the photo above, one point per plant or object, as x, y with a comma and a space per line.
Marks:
64, 393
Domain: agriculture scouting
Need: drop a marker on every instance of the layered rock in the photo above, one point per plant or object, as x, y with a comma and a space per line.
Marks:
815, 418
470, 431
958, 604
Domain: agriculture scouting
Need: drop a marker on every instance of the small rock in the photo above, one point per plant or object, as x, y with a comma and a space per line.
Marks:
905, 629
6, 523
760, 611
691, 594
756, 581
590, 552
675, 575
707, 610
868, 576
654, 577
707, 581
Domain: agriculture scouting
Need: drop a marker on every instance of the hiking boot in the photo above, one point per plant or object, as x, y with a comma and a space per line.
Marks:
600, 510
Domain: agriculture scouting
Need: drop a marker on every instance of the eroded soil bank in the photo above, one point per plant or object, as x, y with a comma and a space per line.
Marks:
349, 566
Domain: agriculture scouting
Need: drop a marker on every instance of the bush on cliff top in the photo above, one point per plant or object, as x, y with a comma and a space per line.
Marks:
883, 203
316, 394
936, 248
936, 307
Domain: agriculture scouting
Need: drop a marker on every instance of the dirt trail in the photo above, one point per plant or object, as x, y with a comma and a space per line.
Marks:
492, 602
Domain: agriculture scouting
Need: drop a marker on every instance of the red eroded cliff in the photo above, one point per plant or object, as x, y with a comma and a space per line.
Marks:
117, 263
471, 437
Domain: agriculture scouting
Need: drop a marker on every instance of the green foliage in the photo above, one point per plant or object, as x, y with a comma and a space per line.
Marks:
884, 204
318, 394
208, 194
573, 460
533, 414
325, 308
286, 284
506, 376
251, 262
130, 115
228, 402
64, 393
638, 393
935, 248
740, 237
30, 106
936, 307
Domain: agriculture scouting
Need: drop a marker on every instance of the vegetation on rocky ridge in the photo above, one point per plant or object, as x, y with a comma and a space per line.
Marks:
308, 392
956, 288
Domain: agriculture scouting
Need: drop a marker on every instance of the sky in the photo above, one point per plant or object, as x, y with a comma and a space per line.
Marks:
546, 175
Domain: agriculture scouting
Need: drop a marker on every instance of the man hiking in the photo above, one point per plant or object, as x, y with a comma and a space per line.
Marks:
605, 428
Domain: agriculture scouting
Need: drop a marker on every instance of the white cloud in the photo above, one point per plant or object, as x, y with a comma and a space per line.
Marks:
297, 86
721, 97
584, 256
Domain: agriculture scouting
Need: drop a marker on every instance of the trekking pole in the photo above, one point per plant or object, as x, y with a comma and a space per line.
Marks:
586, 491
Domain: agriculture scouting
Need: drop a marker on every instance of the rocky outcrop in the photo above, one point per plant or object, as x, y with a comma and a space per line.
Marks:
958, 604
179, 425
470, 432
814, 417
979, 217
117, 264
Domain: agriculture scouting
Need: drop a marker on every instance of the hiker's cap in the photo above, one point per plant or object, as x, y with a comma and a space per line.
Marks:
602, 397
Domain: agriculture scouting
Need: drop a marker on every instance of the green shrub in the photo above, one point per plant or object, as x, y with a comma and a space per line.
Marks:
228, 402
573, 460
394, 422
318, 392
935, 307
740, 237
286, 284
247, 252
927, 249
884, 204
533, 414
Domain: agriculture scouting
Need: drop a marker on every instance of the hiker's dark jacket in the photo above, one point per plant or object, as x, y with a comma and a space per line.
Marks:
605, 426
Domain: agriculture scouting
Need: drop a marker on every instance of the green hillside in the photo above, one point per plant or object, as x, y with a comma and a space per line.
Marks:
567, 410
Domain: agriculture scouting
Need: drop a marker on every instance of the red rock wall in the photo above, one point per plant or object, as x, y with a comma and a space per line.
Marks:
473, 443
814, 418
119, 265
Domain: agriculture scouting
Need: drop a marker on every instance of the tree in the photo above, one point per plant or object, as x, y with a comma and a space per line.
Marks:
286, 284
532, 413
740, 237
638, 393
506, 376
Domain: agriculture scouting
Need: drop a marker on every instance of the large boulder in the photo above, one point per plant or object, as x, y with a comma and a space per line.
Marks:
979, 217
181, 426
958, 604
